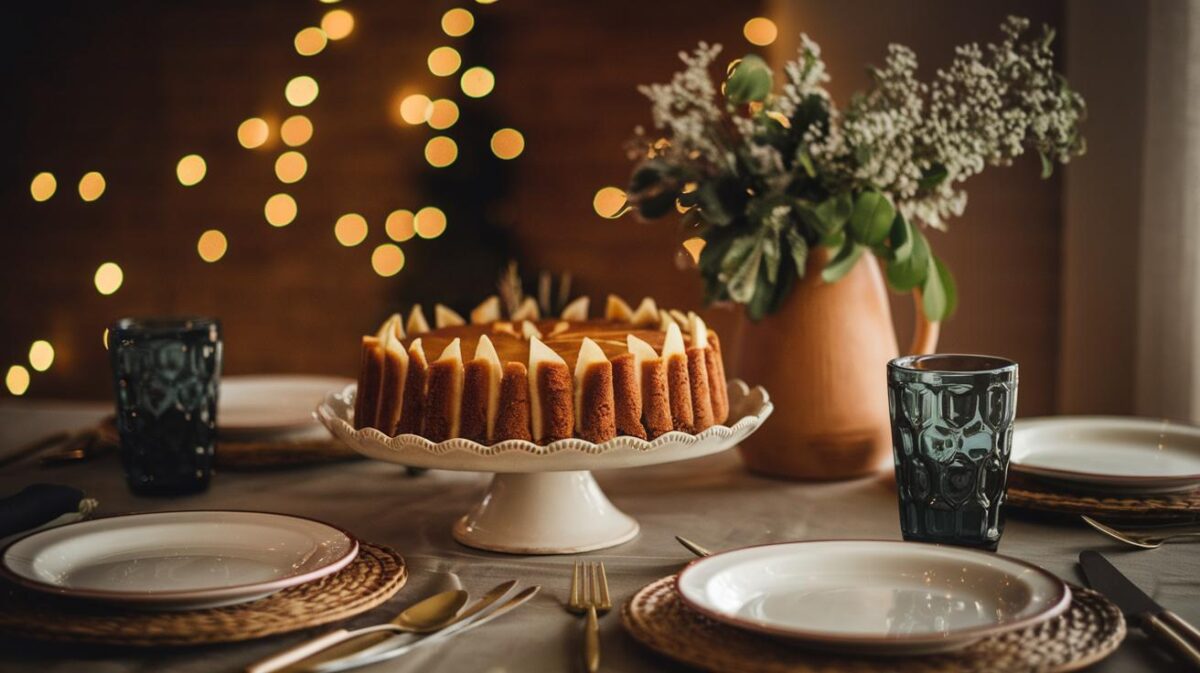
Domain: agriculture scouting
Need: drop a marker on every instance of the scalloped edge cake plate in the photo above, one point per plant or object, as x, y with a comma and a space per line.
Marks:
750, 406
543, 499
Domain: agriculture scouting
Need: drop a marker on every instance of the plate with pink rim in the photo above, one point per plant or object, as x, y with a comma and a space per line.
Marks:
178, 560
872, 596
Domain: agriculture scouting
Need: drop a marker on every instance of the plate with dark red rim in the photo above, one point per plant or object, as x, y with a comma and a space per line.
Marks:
178, 560
872, 596
1109, 453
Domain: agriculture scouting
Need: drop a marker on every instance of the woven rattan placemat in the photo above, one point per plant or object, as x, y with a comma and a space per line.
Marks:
372, 578
1086, 633
1032, 494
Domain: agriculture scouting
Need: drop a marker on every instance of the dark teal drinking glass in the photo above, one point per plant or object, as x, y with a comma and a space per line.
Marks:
166, 372
952, 418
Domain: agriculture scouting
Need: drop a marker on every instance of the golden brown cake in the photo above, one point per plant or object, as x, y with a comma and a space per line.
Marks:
639, 372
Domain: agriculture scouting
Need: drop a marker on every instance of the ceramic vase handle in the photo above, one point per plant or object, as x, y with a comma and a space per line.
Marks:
925, 331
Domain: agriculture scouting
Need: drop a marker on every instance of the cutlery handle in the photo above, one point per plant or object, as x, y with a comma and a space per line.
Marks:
591, 642
1191, 633
1161, 631
301, 651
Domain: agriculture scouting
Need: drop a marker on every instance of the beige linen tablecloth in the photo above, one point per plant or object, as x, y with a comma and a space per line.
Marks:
710, 500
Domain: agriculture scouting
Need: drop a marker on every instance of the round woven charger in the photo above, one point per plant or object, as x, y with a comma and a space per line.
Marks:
374, 576
1043, 497
1087, 632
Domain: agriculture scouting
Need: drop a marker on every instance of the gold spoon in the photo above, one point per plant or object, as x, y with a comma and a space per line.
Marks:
425, 616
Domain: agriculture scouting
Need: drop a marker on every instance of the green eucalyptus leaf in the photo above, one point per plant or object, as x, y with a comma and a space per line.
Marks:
871, 219
947, 300
901, 239
934, 298
843, 262
1047, 165
771, 257
806, 162
798, 247
750, 80
905, 274
741, 268
834, 239
835, 212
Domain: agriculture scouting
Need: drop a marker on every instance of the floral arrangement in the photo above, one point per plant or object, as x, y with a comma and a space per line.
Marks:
767, 176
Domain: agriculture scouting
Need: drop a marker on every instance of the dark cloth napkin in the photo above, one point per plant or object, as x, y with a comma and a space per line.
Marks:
36, 505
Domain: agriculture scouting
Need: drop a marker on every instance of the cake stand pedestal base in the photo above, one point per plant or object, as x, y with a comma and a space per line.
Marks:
544, 513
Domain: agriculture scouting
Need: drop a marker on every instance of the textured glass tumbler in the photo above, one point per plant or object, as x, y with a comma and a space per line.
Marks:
166, 372
952, 418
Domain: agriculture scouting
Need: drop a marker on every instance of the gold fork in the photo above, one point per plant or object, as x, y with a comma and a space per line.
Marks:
589, 596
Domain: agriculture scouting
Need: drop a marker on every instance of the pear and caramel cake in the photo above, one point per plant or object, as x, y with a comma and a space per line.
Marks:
487, 378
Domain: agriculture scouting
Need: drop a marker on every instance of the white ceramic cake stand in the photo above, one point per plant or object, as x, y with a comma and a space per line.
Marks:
543, 499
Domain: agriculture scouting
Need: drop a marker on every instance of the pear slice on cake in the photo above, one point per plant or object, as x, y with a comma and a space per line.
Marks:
576, 310
527, 310
443, 395
487, 311
646, 314
617, 310
595, 420
444, 316
417, 324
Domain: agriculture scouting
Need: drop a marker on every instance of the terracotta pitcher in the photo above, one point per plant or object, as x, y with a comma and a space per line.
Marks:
823, 359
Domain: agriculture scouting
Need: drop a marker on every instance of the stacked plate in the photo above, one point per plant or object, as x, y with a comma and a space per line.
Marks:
253, 408
178, 560
872, 597
1109, 454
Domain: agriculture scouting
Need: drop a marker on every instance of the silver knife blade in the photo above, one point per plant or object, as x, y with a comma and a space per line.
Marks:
1105, 578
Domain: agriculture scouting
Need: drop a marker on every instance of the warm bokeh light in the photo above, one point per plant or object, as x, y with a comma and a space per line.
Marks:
444, 61
508, 143
387, 260
760, 30
457, 22
17, 380
280, 210
290, 167
91, 186
212, 245
399, 225
441, 151
253, 133
109, 278
337, 24
609, 202
310, 41
443, 114
350, 229
694, 246
301, 91
430, 222
104, 338
41, 355
486, 2
44, 184
478, 82
296, 130
191, 170
416, 108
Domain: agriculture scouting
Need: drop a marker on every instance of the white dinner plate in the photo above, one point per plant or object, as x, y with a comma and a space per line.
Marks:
179, 560
1110, 453
283, 403
876, 597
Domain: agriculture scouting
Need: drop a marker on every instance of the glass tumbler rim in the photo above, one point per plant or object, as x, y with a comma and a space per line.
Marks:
163, 325
979, 364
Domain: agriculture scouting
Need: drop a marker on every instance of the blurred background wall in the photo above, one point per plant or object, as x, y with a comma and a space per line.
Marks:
129, 88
